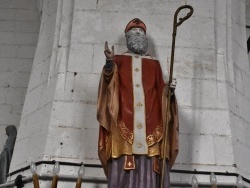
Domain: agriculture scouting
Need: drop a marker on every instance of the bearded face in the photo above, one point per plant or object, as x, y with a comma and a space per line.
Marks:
137, 41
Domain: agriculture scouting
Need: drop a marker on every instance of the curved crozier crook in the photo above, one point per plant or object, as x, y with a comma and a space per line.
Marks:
181, 20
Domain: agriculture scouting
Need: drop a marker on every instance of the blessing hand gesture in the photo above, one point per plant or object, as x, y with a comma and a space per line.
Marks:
109, 54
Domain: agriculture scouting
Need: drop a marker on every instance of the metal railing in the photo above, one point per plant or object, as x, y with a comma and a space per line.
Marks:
73, 178
89, 179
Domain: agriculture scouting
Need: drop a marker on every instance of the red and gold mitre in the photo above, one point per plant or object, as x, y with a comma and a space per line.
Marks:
135, 23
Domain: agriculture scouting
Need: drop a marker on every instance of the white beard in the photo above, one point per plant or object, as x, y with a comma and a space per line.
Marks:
137, 43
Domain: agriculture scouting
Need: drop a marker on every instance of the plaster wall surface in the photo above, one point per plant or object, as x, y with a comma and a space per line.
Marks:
19, 27
238, 92
36, 113
211, 66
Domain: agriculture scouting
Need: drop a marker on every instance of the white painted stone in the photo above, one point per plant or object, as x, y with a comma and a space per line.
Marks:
240, 57
26, 38
7, 14
247, 133
198, 121
90, 144
197, 149
223, 150
87, 86
100, 28
5, 111
247, 10
139, 6
27, 26
45, 43
101, 32
3, 93
15, 70
183, 156
7, 25
6, 37
81, 58
35, 144
238, 80
39, 74
65, 84
188, 63
187, 32
239, 103
14, 79
89, 120
48, 91
17, 109
39, 4
3, 137
201, 93
86, 5
204, 8
30, 15
221, 67
201, 149
9, 50
246, 80
65, 144
15, 95
23, 4
66, 24
238, 8
221, 11
15, 64
239, 35
37, 122
246, 109
34, 97
19, 79
221, 43
67, 114
23, 122
237, 128
240, 153
26, 51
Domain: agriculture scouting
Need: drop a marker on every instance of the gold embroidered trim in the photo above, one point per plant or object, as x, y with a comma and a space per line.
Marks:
125, 132
129, 163
155, 136
129, 136
103, 142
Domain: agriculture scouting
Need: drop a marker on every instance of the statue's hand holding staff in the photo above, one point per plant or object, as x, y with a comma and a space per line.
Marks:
173, 84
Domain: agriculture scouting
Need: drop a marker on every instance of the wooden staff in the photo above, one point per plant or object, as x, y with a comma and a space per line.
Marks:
166, 128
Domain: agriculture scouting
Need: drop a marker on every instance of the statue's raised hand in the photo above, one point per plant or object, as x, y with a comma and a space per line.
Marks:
109, 54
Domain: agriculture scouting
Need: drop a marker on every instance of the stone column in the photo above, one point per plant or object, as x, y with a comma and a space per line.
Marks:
19, 27
52, 119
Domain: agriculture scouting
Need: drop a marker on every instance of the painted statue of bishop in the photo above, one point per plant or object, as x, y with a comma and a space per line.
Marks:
131, 111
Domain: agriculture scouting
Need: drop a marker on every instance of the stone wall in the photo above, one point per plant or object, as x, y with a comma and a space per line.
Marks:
211, 66
19, 30
238, 89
